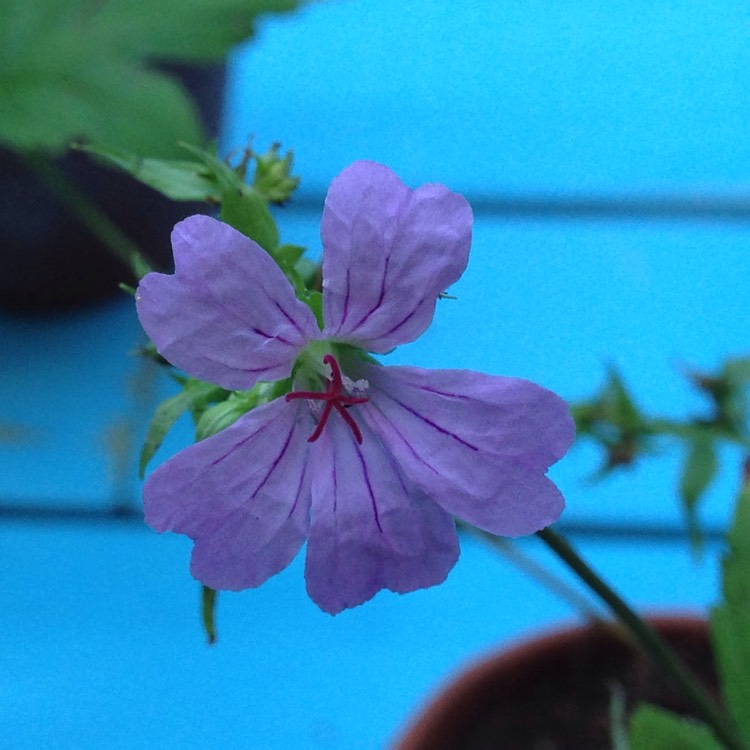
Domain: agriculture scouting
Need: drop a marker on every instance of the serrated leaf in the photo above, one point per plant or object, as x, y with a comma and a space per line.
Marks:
202, 30
195, 395
653, 728
106, 101
178, 179
76, 69
730, 621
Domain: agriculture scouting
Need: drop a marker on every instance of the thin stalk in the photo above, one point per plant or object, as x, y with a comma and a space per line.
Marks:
113, 238
661, 654
509, 549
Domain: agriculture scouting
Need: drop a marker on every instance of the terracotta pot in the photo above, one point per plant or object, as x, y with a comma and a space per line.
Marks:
554, 692
49, 258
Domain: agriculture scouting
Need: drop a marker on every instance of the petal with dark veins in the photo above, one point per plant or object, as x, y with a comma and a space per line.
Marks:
388, 252
370, 529
228, 314
243, 495
479, 445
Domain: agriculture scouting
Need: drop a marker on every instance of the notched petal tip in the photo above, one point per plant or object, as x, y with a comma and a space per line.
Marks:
228, 315
389, 252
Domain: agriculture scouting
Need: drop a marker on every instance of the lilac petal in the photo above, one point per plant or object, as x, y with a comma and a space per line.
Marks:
388, 253
228, 314
477, 444
243, 495
370, 528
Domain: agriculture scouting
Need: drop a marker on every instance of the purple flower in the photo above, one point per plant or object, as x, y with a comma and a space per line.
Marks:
369, 464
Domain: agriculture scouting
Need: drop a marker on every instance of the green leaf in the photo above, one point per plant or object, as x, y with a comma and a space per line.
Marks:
730, 621
103, 100
202, 30
82, 70
180, 180
699, 470
737, 370
195, 395
653, 728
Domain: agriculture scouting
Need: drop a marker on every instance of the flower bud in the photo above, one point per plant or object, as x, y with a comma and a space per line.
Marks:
272, 175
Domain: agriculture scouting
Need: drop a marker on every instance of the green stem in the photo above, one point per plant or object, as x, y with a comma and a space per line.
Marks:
662, 655
509, 549
113, 238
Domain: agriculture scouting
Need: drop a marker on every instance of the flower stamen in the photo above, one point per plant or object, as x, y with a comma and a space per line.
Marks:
335, 398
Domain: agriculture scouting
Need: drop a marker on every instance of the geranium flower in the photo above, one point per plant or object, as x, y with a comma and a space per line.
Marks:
369, 464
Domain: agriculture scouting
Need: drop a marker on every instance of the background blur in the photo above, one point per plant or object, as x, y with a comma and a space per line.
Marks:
606, 156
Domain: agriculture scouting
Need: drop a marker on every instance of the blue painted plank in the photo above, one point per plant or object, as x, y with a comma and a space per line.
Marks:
553, 302
102, 642
512, 96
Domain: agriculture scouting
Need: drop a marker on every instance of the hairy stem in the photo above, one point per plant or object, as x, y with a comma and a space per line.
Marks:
101, 226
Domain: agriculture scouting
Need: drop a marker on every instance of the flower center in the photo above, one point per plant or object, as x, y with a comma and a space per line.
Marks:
334, 397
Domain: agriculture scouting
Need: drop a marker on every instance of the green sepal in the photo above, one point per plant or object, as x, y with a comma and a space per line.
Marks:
308, 271
208, 613
241, 205
730, 620
289, 254
194, 397
248, 213
727, 390
220, 416
653, 728
315, 301
613, 420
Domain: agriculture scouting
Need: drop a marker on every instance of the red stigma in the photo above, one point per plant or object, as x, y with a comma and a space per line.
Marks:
335, 398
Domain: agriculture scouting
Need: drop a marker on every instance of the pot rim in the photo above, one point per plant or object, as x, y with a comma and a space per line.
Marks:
456, 696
